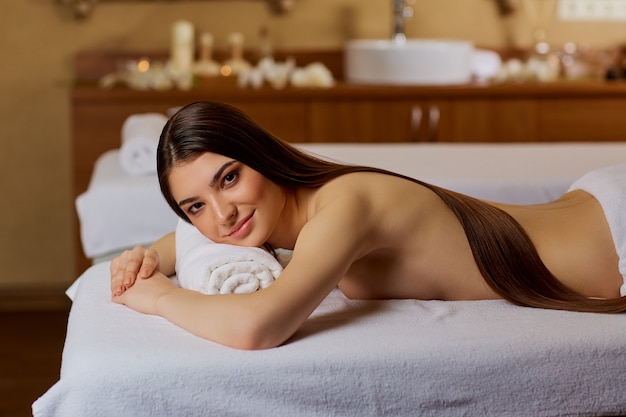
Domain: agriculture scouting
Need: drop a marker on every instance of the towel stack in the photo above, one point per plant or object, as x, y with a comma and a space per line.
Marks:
140, 139
215, 268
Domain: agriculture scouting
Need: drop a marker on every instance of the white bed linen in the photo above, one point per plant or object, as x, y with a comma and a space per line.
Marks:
351, 358
119, 211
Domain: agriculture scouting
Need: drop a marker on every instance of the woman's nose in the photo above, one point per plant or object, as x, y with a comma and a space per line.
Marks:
224, 211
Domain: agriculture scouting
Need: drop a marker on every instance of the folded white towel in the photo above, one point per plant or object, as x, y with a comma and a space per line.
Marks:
140, 138
215, 268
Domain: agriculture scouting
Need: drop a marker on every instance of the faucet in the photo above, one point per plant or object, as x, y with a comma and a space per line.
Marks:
401, 12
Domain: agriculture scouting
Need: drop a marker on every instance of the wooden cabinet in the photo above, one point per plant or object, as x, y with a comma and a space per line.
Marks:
444, 120
488, 120
386, 120
595, 119
589, 113
350, 120
288, 120
557, 112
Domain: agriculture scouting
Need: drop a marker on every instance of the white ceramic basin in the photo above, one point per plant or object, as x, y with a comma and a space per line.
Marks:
414, 62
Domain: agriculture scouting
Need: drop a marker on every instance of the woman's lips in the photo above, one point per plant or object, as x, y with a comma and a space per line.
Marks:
242, 228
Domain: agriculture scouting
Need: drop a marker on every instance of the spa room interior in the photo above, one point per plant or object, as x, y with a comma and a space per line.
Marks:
506, 99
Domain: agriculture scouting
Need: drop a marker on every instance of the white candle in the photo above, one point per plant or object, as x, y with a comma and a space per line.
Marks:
182, 48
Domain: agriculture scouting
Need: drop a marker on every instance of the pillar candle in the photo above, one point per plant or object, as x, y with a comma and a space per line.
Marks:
183, 46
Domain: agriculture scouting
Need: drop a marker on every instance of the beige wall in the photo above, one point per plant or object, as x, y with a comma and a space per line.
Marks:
38, 39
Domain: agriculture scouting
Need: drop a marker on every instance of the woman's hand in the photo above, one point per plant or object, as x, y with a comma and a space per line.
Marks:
131, 264
143, 296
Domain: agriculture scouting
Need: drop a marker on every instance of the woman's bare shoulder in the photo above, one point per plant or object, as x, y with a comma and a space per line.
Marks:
369, 184
377, 206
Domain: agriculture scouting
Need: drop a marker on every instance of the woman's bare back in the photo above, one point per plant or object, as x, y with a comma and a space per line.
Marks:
419, 249
574, 241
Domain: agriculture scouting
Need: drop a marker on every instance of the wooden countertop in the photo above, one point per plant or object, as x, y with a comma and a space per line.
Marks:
219, 88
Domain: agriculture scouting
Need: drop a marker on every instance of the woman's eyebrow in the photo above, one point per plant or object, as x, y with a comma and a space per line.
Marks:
216, 178
187, 201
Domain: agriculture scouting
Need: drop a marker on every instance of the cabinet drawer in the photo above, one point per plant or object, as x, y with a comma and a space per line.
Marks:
488, 120
287, 120
582, 120
359, 121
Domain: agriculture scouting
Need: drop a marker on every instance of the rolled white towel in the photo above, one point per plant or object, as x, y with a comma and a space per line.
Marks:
215, 268
140, 138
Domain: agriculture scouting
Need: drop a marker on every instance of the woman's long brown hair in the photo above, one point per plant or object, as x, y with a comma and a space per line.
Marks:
505, 255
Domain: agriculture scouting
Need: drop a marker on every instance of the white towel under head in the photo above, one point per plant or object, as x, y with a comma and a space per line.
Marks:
215, 268
140, 139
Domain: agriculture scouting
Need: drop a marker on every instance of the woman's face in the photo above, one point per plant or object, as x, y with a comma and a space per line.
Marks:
226, 200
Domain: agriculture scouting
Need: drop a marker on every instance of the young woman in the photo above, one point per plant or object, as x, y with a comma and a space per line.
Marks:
372, 233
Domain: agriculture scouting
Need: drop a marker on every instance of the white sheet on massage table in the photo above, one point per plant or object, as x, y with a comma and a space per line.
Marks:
119, 211
351, 358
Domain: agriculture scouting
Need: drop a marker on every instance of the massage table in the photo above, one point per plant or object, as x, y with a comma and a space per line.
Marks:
350, 358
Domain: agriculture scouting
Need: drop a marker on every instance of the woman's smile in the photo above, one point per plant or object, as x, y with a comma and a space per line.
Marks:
242, 228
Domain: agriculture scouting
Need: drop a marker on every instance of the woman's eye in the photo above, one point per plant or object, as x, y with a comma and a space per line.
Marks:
193, 209
229, 178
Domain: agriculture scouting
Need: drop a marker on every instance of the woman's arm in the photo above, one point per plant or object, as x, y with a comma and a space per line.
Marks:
243, 321
326, 247
143, 262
